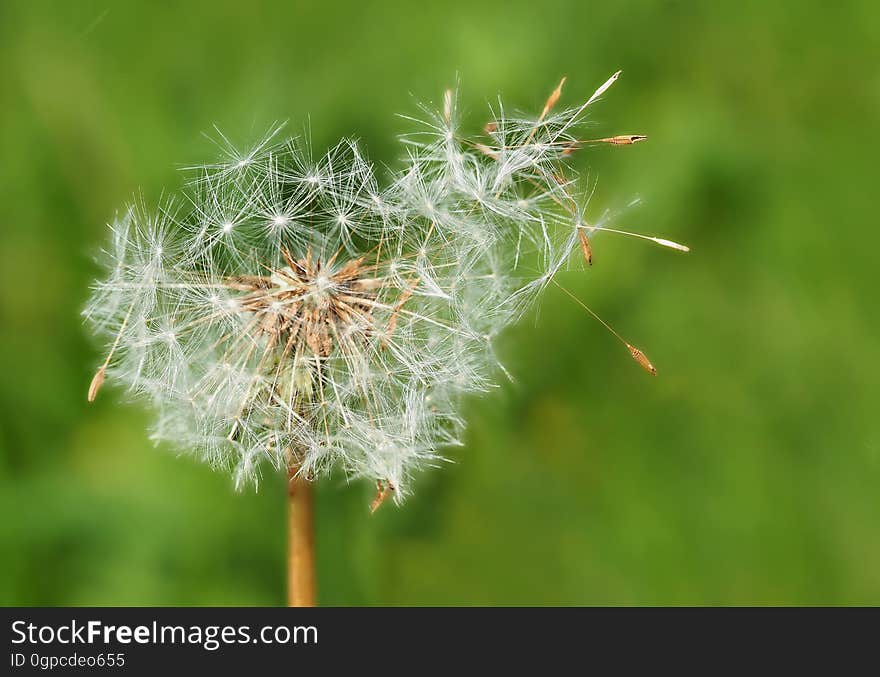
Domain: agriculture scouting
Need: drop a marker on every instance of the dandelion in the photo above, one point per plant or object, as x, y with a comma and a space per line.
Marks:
294, 313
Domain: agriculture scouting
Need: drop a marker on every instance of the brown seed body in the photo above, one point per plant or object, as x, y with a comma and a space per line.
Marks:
642, 359
383, 490
553, 99
97, 382
623, 140
586, 248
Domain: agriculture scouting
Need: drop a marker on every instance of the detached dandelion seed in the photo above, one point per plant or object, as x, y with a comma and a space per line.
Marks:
642, 359
290, 312
622, 140
586, 247
97, 382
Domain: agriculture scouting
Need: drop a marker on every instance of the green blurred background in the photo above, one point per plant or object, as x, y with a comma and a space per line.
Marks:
747, 472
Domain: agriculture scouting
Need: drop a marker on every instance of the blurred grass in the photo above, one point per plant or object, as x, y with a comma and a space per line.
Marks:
747, 472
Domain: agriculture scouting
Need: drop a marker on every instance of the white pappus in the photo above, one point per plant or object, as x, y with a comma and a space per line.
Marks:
291, 311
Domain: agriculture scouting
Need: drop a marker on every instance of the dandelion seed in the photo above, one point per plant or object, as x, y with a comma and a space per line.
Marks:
623, 140
553, 99
97, 382
642, 359
663, 242
672, 245
636, 354
586, 249
383, 490
599, 92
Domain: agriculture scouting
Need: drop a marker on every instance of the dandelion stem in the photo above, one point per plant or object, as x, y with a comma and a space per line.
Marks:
300, 542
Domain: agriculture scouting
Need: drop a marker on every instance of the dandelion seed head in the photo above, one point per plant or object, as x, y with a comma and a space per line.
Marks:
288, 309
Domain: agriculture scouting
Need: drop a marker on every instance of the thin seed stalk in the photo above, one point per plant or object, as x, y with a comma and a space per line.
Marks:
301, 589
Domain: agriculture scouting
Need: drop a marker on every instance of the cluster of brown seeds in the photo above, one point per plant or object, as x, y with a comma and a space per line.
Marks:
308, 306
